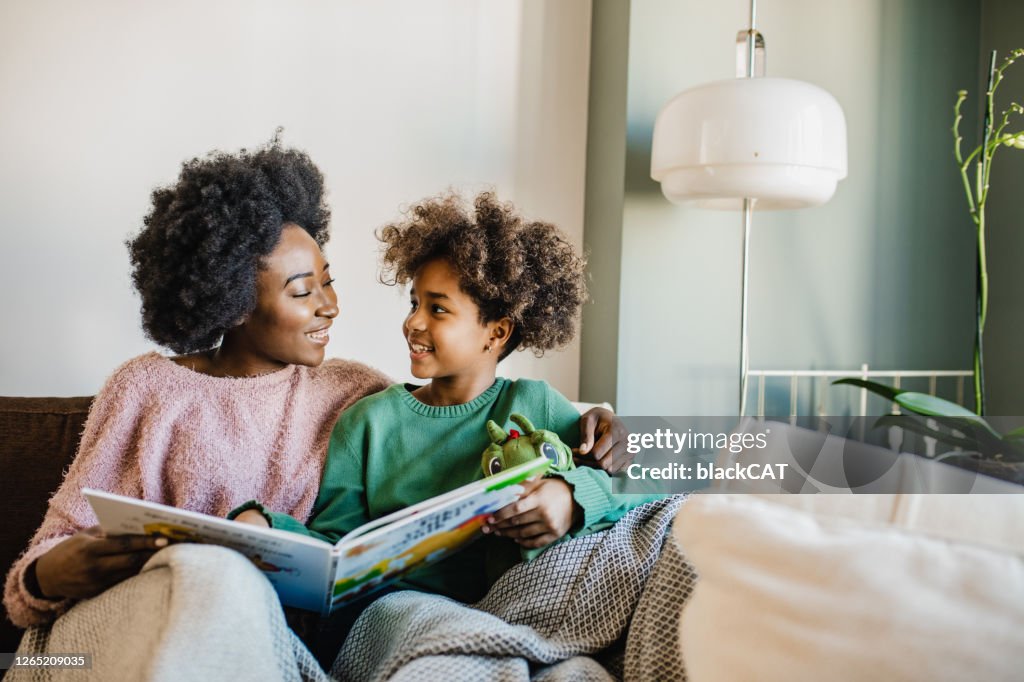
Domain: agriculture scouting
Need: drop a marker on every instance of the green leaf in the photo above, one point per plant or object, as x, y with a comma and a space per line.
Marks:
968, 435
910, 423
1016, 434
887, 392
922, 404
930, 406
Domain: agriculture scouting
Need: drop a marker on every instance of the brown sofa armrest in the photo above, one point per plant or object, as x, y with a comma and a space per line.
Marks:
38, 440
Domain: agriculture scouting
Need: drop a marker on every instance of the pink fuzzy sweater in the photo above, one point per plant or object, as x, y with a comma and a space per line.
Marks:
164, 433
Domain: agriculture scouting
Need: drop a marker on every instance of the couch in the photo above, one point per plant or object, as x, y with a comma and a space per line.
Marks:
38, 439
792, 587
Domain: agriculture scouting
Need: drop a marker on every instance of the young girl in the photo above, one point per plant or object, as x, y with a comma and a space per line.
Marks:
482, 285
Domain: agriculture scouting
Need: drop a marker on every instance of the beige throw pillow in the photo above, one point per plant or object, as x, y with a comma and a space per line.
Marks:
791, 594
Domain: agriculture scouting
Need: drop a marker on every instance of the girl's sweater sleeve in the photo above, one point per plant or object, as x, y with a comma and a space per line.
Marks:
106, 459
591, 488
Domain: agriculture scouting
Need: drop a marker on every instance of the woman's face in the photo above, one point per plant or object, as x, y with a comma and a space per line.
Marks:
295, 306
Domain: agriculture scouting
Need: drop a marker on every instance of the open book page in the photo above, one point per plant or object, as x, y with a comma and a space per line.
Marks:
300, 568
388, 548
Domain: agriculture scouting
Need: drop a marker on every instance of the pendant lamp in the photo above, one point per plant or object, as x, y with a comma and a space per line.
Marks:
750, 142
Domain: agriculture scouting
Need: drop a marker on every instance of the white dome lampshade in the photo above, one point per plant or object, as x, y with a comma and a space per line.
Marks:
778, 141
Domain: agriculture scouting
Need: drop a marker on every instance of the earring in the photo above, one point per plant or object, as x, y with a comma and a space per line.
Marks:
488, 348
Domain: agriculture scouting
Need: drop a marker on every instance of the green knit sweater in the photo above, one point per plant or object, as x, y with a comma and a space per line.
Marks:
389, 451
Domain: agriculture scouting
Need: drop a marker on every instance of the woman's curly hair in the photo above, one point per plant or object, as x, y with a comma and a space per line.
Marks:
196, 260
525, 271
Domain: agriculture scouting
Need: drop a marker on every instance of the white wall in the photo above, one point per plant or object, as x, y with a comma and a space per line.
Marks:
395, 100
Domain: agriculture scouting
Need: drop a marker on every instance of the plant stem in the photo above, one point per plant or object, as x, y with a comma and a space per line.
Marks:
981, 313
993, 136
982, 171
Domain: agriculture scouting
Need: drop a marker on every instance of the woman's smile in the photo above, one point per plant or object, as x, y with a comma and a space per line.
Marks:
319, 336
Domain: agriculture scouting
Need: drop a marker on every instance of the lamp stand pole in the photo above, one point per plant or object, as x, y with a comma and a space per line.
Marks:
748, 211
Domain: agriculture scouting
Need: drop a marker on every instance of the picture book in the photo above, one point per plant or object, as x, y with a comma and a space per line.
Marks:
311, 574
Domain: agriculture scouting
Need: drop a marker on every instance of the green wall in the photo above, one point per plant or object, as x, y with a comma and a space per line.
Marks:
882, 274
602, 234
1002, 29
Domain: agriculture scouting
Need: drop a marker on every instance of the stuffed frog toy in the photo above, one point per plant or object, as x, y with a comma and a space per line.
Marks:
514, 448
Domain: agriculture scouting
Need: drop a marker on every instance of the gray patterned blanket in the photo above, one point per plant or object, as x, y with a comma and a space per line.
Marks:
601, 607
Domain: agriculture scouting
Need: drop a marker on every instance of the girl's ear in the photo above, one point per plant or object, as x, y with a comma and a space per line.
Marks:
501, 332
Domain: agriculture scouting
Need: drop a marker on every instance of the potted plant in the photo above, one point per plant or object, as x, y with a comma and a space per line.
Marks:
983, 448
979, 446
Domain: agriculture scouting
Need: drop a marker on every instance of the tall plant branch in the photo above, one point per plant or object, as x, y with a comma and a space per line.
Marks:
981, 157
981, 308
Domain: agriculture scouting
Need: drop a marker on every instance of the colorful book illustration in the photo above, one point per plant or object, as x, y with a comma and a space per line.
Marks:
315, 575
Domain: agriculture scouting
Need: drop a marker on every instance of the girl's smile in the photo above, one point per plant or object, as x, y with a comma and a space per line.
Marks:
418, 351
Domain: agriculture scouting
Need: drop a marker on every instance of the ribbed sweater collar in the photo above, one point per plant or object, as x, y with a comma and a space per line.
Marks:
485, 398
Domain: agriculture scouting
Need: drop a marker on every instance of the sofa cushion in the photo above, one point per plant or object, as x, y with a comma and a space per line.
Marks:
38, 439
888, 587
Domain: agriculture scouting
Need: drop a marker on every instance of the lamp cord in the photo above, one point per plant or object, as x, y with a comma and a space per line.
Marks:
750, 38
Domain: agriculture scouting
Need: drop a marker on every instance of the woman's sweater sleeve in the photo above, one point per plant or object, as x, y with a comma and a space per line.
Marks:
106, 459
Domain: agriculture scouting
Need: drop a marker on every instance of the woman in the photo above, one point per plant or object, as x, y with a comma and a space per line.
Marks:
232, 278
230, 253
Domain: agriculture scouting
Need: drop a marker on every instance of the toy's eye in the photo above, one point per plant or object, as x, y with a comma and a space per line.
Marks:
495, 466
549, 451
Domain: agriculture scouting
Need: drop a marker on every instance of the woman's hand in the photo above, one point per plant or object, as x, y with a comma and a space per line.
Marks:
253, 517
609, 452
89, 562
543, 514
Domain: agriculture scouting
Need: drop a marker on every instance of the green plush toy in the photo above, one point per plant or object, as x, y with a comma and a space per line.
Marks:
514, 448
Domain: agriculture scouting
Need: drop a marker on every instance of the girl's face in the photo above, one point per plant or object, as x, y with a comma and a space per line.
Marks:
295, 306
443, 329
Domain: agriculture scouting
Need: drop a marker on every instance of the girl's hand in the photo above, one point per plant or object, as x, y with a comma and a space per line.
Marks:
543, 514
609, 452
89, 562
253, 517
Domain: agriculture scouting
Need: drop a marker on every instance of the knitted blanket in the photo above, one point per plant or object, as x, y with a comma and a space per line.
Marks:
600, 607
195, 612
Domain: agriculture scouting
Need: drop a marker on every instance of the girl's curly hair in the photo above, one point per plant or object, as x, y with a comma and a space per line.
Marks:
196, 259
525, 271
